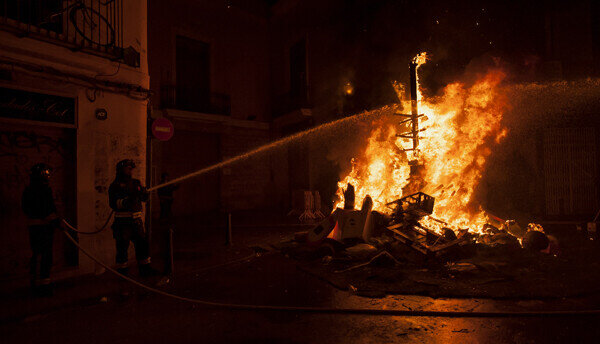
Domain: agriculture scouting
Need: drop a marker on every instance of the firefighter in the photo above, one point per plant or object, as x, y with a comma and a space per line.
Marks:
126, 195
38, 205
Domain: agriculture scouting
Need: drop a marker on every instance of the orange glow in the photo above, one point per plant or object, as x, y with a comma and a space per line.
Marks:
421, 58
348, 88
461, 127
336, 233
535, 227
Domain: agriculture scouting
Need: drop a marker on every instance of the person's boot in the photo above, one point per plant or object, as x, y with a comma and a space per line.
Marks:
147, 271
35, 290
45, 288
163, 281
123, 271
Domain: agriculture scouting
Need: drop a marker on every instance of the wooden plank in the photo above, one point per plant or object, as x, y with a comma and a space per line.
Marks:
409, 241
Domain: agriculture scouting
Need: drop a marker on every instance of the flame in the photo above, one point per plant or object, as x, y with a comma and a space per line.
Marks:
379, 177
535, 227
461, 127
336, 233
420, 59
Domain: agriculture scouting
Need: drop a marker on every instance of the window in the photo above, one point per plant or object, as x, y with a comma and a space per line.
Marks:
44, 14
298, 78
192, 75
570, 170
595, 13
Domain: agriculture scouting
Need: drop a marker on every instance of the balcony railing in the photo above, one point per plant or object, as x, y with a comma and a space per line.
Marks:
286, 103
93, 26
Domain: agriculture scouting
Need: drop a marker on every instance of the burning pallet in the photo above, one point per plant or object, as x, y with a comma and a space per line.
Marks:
406, 228
427, 242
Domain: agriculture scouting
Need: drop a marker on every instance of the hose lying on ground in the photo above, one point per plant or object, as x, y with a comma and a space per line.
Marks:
98, 230
356, 311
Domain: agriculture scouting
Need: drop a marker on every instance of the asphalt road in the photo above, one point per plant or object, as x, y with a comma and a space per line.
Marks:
273, 279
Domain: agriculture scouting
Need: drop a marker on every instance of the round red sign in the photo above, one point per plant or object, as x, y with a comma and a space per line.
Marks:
162, 129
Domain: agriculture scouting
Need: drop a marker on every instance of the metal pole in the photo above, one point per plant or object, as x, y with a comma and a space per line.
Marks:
414, 110
171, 260
149, 174
228, 239
415, 179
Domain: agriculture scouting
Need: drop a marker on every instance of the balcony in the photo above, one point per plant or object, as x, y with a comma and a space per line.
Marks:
194, 100
91, 26
289, 102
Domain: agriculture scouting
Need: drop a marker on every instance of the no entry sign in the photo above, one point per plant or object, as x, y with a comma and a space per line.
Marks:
162, 129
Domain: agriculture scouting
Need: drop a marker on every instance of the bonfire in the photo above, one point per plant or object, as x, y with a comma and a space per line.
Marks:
457, 131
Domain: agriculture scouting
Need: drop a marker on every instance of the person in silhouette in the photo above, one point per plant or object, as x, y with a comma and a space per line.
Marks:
39, 208
126, 195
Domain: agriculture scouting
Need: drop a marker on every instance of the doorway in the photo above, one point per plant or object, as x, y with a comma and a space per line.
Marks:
22, 146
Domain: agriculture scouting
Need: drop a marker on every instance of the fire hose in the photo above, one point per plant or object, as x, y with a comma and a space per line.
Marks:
98, 230
323, 310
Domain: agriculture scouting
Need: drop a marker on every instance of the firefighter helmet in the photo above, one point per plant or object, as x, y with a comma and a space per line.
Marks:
124, 163
40, 170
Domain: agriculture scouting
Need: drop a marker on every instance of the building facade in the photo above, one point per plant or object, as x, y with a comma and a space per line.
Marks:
82, 81
73, 94
209, 68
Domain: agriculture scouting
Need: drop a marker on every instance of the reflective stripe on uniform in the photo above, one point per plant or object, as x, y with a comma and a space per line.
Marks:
135, 215
144, 261
120, 203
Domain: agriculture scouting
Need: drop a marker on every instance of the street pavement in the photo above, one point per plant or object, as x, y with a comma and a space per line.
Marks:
94, 309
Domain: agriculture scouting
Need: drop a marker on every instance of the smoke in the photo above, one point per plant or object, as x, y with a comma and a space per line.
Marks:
512, 185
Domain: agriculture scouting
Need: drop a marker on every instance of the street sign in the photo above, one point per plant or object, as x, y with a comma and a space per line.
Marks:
162, 129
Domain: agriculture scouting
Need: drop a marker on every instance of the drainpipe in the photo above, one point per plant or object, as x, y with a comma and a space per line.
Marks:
149, 180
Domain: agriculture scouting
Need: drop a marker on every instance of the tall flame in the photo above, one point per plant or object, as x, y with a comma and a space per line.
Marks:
461, 126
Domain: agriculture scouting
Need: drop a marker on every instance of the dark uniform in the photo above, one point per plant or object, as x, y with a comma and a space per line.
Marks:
126, 195
38, 205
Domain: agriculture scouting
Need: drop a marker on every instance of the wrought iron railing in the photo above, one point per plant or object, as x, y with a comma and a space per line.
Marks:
286, 103
94, 26
204, 102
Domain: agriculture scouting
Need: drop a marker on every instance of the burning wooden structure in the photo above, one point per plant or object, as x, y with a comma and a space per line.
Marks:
435, 175
405, 226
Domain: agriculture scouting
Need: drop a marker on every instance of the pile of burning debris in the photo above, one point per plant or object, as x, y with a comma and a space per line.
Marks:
400, 234
406, 251
425, 230
401, 158
413, 162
